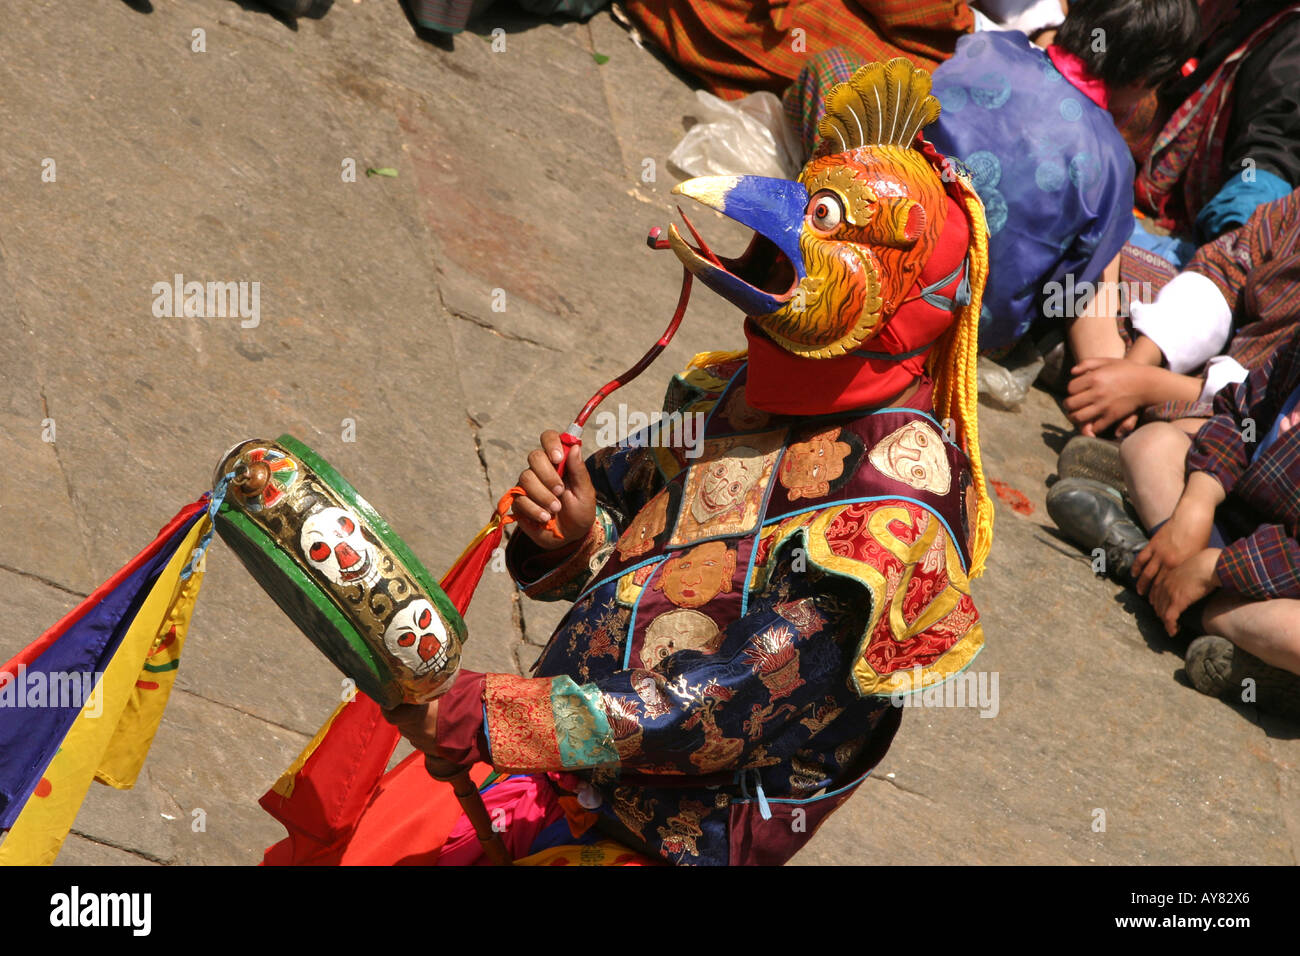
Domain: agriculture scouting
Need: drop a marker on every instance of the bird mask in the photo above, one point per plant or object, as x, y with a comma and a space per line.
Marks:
833, 254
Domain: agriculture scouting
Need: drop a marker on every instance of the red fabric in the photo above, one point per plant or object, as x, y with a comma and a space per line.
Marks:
1077, 74
787, 384
335, 784
460, 733
462, 580
405, 822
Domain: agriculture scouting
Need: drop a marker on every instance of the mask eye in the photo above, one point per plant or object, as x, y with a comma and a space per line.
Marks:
825, 211
346, 524
319, 551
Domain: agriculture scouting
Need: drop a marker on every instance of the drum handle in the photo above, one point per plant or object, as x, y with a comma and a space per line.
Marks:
471, 801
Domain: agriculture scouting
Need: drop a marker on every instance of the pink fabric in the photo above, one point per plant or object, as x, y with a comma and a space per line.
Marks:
521, 807
1076, 74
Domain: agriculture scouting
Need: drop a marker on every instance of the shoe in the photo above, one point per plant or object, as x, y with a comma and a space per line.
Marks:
315, 9
1219, 668
1092, 515
1095, 458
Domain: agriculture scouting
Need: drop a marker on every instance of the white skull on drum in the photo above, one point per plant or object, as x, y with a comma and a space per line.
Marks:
417, 638
334, 545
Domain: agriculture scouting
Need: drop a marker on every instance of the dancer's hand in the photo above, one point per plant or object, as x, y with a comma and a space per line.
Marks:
418, 723
571, 500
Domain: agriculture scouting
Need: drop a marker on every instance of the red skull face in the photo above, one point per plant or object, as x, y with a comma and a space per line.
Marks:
417, 638
334, 545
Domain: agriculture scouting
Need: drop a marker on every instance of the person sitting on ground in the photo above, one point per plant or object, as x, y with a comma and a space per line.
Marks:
1223, 508
737, 47
1220, 141
1055, 175
1222, 317
1218, 319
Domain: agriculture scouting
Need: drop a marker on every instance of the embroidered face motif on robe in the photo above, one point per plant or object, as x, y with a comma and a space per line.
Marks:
650, 522
681, 630
725, 484
810, 466
914, 455
743, 418
696, 577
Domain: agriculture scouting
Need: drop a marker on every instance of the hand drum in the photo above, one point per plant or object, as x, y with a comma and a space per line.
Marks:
339, 571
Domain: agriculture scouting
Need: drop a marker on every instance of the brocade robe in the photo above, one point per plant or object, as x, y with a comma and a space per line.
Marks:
741, 622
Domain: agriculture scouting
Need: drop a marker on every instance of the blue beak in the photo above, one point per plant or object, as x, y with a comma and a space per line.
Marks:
764, 278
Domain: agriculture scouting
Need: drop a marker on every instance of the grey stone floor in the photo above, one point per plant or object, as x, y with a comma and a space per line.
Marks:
518, 170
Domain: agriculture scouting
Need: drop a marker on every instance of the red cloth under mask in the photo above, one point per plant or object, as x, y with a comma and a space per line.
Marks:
786, 384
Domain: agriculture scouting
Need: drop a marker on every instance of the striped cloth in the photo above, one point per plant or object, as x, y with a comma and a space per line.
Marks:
1257, 268
1262, 474
803, 100
737, 47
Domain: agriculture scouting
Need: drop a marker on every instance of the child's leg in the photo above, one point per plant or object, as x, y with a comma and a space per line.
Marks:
1154, 458
1268, 629
1095, 333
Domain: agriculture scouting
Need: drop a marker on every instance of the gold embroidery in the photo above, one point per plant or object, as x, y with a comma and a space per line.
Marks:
725, 488
680, 630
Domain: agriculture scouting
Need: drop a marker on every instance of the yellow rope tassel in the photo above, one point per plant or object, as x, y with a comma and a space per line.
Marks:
952, 366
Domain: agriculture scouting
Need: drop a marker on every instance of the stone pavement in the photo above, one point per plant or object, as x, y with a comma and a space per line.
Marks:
518, 170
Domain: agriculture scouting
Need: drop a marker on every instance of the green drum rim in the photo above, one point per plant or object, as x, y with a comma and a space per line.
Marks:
381, 528
238, 521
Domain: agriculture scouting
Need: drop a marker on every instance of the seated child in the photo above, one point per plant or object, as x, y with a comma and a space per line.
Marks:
1223, 507
1222, 316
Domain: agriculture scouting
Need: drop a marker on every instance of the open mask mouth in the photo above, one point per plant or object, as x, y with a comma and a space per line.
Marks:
765, 277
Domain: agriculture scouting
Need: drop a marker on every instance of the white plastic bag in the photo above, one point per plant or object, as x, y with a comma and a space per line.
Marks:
749, 136
1006, 386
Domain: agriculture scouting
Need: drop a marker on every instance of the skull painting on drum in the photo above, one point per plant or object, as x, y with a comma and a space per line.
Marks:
333, 544
417, 638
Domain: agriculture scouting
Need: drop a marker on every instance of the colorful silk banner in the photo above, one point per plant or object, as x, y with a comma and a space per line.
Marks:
84, 700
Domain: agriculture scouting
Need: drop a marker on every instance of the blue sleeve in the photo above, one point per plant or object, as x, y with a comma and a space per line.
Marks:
1111, 224
1236, 201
